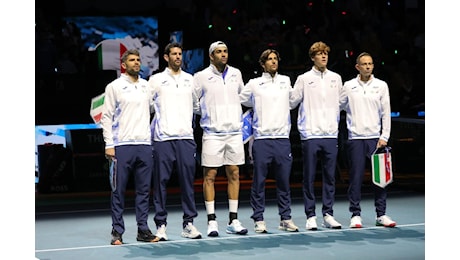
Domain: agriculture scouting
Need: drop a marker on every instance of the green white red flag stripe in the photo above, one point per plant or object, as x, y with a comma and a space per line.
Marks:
109, 53
96, 108
382, 172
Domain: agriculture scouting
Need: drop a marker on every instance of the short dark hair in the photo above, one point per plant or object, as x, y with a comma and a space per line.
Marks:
171, 45
125, 55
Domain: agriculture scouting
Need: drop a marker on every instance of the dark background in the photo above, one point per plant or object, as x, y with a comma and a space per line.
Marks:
392, 31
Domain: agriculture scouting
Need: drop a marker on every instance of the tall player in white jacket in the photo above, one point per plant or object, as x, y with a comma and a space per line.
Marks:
217, 87
366, 100
126, 130
318, 92
268, 95
173, 143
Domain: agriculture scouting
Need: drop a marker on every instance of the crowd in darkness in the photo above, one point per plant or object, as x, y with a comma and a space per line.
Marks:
392, 31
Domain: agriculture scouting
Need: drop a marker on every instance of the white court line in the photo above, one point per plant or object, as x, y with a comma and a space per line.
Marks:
228, 238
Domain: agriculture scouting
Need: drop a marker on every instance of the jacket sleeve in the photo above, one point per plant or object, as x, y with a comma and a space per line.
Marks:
386, 113
296, 95
196, 94
246, 94
108, 113
343, 96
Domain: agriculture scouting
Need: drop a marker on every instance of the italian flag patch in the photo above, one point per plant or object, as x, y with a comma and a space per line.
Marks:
382, 172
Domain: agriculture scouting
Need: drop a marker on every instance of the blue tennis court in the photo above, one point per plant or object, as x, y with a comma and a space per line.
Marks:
80, 229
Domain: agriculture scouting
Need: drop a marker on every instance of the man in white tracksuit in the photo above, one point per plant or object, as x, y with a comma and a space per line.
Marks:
125, 125
318, 91
173, 142
366, 100
268, 96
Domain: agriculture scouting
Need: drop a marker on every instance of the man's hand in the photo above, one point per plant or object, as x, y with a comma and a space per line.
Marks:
381, 143
110, 153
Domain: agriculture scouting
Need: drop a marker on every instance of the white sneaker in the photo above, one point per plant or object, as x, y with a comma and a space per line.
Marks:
260, 227
288, 225
356, 222
161, 233
311, 223
236, 228
190, 231
385, 221
213, 229
330, 222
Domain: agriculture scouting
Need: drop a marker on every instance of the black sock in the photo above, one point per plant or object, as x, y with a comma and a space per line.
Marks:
232, 216
211, 217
